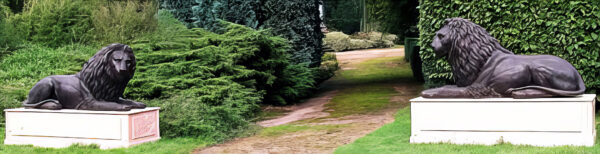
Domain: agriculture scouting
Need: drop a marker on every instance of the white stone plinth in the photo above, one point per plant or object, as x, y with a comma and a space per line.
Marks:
537, 122
61, 128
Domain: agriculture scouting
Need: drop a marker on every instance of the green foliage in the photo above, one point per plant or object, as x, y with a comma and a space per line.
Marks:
122, 21
55, 22
329, 65
297, 21
392, 16
339, 41
9, 38
343, 15
568, 29
14, 5
389, 16
207, 13
26, 66
209, 84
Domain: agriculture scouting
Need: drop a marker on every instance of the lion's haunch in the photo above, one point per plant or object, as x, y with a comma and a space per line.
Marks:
483, 68
98, 86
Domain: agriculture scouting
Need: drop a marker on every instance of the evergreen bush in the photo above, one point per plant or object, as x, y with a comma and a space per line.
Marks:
209, 83
26, 66
297, 21
339, 41
123, 21
9, 38
343, 15
567, 29
55, 22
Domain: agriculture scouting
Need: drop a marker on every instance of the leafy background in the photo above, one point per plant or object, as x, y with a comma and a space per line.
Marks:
208, 83
568, 29
297, 21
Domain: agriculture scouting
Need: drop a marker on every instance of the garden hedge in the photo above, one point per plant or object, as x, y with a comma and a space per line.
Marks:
568, 29
297, 21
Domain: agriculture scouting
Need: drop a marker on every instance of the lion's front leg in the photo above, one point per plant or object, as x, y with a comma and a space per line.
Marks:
134, 104
448, 91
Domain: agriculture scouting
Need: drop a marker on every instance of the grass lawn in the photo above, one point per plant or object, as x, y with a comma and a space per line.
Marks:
176, 145
290, 128
367, 88
394, 138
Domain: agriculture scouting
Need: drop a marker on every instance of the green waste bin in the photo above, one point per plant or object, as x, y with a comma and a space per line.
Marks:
411, 55
409, 46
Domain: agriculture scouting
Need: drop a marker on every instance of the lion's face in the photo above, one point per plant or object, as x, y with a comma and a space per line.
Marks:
441, 42
122, 63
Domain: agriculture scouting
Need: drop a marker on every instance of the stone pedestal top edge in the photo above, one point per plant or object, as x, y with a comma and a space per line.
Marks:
71, 111
580, 98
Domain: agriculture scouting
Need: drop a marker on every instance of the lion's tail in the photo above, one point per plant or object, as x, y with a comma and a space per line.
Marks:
559, 92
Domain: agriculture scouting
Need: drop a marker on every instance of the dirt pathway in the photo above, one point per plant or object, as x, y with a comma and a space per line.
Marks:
320, 134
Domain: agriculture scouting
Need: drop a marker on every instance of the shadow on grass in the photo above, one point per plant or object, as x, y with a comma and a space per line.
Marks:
370, 86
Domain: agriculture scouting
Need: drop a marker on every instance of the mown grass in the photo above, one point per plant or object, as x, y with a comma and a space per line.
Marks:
290, 128
167, 146
367, 88
378, 70
363, 90
360, 100
394, 138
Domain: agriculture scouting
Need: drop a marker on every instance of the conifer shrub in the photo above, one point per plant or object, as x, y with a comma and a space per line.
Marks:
207, 84
210, 84
23, 68
123, 21
328, 67
9, 38
297, 21
55, 22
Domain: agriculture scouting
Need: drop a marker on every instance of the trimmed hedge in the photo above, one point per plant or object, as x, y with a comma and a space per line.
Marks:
568, 29
339, 41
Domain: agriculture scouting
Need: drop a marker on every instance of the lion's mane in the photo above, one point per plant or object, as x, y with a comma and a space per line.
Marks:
471, 47
98, 77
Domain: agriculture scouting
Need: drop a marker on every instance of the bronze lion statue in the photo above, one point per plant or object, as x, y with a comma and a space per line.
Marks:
98, 86
482, 68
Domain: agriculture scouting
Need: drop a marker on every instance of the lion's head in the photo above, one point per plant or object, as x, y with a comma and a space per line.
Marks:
107, 73
467, 47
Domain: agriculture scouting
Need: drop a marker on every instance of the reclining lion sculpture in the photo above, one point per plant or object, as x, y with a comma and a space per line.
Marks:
482, 68
98, 86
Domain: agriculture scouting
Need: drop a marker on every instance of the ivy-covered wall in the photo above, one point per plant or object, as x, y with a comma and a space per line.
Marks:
568, 29
297, 21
